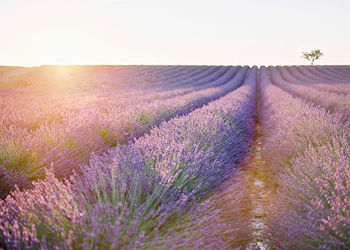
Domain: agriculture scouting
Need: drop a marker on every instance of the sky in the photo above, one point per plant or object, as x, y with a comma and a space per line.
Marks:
201, 32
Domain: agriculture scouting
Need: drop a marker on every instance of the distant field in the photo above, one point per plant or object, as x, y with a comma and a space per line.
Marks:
211, 157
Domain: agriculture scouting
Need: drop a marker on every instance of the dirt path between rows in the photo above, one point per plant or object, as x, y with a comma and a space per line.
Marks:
258, 192
245, 198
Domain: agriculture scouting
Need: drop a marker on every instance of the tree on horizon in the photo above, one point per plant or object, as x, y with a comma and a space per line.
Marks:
312, 56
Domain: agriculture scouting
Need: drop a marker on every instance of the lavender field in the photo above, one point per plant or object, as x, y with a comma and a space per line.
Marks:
175, 157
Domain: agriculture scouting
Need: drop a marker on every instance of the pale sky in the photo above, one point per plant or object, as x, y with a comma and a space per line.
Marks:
221, 32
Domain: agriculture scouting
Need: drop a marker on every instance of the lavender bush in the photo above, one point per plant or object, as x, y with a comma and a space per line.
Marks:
131, 157
65, 135
332, 102
307, 151
125, 197
315, 80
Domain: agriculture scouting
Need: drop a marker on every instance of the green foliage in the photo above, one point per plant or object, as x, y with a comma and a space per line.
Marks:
13, 156
144, 118
312, 56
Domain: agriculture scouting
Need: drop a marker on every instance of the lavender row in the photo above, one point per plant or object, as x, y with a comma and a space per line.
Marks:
343, 71
304, 74
123, 199
161, 81
325, 73
207, 79
307, 153
198, 76
332, 102
17, 126
71, 76
45, 106
153, 93
114, 126
146, 95
314, 77
218, 73
30, 142
332, 86
153, 80
189, 74
68, 143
